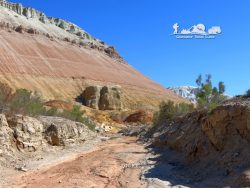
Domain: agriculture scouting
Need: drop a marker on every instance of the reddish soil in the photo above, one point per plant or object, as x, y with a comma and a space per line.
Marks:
107, 166
59, 104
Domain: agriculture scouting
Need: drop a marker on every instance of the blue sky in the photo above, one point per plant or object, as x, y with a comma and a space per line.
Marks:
140, 30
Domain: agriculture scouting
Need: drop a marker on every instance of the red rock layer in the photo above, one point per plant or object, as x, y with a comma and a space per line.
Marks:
38, 56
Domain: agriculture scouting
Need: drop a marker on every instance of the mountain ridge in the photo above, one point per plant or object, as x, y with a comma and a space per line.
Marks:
186, 92
75, 35
48, 59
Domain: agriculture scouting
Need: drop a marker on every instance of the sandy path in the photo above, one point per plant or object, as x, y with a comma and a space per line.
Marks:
104, 167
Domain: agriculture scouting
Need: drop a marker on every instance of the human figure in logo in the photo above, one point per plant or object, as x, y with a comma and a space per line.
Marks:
175, 27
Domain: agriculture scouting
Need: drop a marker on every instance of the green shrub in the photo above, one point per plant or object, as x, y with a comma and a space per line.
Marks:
89, 123
170, 110
167, 110
75, 114
183, 109
24, 102
51, 112
209, 96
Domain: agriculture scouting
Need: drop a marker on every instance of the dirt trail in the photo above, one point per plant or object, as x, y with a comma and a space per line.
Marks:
110, 165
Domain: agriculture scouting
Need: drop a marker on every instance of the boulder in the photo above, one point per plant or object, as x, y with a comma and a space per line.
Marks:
19, 29
138, 130
91, 96
31, 31
27, 131
111, 52
61, 132
102, 98
110, 98
31, 134
141, 116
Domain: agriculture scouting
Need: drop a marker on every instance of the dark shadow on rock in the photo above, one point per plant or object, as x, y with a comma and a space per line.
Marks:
80, 98
169, 166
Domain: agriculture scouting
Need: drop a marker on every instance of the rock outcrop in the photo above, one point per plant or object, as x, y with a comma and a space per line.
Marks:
187, 92
103, 98
226, 125
110, 98
6, 138
22, 135
91, 96
27, 132
61, 132
140, 116
211, 145
79, 35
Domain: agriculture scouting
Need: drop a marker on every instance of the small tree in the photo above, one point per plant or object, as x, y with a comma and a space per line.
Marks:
247, 95
199, 80
221, 88
209, 97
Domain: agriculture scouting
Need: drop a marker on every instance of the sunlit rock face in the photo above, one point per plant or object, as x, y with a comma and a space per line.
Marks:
59, 60
103, 98
187, 92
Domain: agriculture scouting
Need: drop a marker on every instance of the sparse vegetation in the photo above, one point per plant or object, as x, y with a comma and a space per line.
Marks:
247, 95
27, 103
5, 97
170, 110
24, 102
88, 122
209, 96
75, 114
51, 112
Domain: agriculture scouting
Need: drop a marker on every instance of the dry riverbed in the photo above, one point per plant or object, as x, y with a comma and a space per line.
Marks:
120, 162
114, 163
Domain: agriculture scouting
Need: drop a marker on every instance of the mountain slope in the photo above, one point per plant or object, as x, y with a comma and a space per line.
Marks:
58, 59
186, 92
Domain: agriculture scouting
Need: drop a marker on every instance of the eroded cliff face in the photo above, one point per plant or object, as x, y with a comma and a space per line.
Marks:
213, 148
59, 60
24, 137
